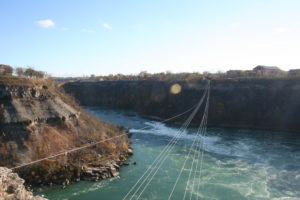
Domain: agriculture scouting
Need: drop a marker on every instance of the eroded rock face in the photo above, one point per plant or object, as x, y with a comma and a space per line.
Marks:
32, 104
38, 120
12, 188
271, 104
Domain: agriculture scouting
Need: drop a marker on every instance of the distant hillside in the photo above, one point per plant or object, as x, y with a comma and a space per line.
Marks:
37, 119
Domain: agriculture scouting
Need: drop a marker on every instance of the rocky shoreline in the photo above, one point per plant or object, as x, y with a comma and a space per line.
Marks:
85, 172
98, 172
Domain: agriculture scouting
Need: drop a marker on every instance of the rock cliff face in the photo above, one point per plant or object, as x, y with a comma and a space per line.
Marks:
33, 105
12, 188
271, 104
37, 120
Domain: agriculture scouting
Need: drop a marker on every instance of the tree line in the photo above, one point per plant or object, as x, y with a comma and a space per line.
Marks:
6, 70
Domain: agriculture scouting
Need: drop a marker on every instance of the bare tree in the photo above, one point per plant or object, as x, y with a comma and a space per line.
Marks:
6, 70
29, 72
20, 71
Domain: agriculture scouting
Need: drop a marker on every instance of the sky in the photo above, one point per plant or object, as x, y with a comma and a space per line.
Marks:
101, 37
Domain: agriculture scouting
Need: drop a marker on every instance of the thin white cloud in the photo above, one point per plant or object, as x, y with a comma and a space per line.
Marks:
47, 23
106, 26
87, 30
280, 30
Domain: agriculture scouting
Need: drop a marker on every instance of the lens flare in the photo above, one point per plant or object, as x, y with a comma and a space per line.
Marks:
175, 89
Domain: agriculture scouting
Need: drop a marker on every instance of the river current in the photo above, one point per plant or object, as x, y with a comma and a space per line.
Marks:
237, 164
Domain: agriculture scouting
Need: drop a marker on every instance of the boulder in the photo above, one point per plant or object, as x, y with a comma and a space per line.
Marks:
114, 172
12, 187
130, 152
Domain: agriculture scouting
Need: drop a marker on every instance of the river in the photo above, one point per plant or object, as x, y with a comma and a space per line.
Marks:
237, 164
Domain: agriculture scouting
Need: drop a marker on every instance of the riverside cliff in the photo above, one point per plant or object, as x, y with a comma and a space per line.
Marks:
259, 103
37, 119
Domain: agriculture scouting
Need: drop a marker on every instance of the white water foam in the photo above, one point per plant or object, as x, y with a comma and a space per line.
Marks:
213, 144
254, 181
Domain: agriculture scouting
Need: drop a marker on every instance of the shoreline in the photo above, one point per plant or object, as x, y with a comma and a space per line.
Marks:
87, 172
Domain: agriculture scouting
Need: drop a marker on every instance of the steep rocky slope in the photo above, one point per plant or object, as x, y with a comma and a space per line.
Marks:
258, 103
12, 187
37, 119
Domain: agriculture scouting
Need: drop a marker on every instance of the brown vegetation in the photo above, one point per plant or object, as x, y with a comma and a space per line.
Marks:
60, 127
259, 72
6, 70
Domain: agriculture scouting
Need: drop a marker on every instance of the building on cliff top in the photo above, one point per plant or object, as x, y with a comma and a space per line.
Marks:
258, 70
267, 70
294, 72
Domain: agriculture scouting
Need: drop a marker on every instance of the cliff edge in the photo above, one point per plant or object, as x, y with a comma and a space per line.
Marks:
37, 120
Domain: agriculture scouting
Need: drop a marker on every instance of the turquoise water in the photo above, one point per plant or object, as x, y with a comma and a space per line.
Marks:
237, 164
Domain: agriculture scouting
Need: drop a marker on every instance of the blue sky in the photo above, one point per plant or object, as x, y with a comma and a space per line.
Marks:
69, 37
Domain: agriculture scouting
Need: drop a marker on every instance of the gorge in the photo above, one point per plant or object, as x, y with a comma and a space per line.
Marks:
255, 103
